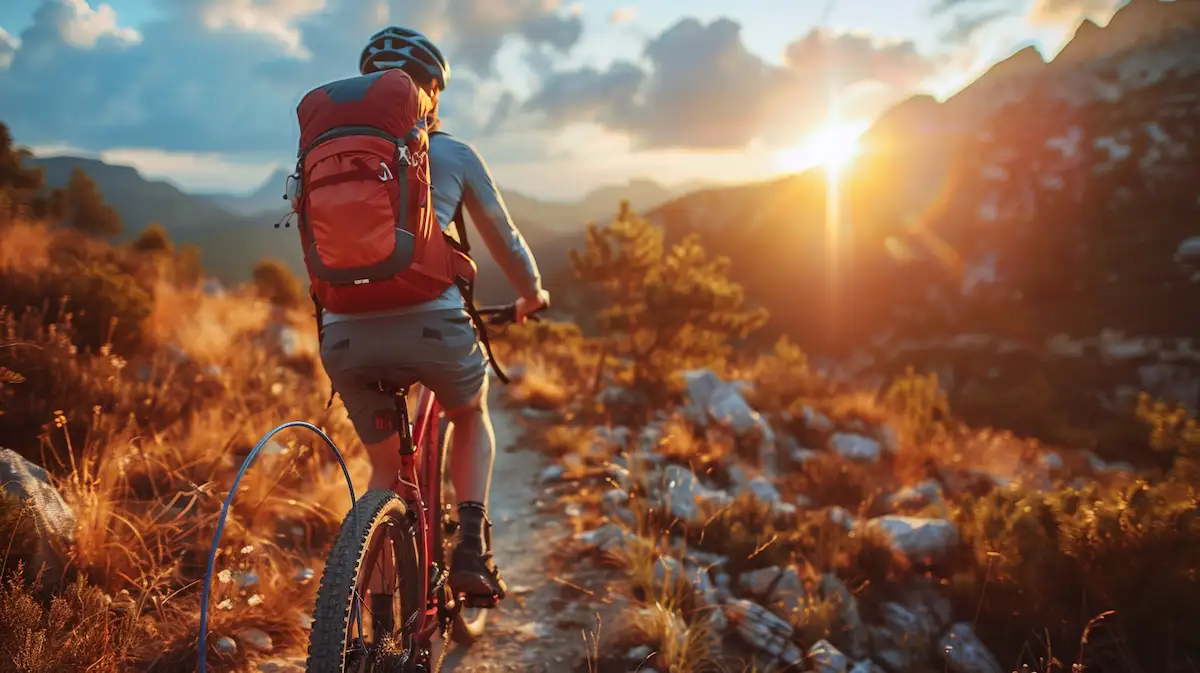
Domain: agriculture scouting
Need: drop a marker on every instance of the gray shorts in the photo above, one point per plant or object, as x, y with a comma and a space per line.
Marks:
438, 349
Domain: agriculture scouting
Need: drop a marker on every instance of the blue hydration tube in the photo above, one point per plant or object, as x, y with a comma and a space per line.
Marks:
212, 553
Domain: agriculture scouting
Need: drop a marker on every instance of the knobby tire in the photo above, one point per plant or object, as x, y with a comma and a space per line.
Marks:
335, 597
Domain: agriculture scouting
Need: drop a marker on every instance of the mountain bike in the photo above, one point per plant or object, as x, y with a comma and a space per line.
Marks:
402, 534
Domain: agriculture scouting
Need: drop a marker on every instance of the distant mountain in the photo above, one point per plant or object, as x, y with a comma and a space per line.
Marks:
231, 243
139, 200
267, 200
1021, 236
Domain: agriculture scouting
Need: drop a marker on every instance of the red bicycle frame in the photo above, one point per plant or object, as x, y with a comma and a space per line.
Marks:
420, 477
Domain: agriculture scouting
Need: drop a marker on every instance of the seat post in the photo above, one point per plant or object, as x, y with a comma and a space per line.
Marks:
403, 423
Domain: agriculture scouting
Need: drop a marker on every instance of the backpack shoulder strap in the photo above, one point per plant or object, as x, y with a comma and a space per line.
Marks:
460, 225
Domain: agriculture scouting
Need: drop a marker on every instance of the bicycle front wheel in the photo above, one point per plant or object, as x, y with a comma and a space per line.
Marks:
375, 551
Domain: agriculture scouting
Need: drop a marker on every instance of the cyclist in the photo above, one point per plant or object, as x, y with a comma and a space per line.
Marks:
435, 342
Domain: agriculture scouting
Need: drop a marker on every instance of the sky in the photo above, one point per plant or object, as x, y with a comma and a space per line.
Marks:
559, 97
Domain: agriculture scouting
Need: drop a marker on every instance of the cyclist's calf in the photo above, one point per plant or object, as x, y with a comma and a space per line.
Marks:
472, 449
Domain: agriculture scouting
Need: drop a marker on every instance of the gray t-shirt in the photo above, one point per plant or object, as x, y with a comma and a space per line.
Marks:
460, 176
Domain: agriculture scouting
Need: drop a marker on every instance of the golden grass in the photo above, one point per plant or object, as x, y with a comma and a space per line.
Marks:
144, 444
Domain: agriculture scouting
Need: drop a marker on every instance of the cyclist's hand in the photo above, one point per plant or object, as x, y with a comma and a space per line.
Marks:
526, 307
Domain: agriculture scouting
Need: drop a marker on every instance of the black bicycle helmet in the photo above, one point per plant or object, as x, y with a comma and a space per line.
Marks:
409, 50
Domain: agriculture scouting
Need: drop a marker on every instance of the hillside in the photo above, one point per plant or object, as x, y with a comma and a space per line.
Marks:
1020, 237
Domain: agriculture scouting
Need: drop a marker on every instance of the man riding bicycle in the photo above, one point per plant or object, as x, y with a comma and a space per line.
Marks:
434, 343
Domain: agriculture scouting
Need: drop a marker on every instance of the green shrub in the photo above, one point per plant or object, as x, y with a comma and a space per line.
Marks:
1046, 564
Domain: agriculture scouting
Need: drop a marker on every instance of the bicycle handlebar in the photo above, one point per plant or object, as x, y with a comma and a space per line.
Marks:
503, 315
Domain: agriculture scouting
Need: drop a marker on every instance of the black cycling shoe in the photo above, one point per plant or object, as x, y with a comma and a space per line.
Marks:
476, 576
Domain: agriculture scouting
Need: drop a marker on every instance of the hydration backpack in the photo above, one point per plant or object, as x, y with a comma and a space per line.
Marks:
366, 220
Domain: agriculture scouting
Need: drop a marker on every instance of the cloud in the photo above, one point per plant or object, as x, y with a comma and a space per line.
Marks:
8, 48
965, 27
225, 75
940, 7
622, 15
700, 88
1065, 11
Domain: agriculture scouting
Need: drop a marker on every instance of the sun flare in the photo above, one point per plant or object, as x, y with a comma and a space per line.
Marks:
833, 146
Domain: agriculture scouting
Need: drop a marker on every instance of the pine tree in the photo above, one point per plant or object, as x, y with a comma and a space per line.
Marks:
20, 186
85, 209
275, 282
154, 239
664, 309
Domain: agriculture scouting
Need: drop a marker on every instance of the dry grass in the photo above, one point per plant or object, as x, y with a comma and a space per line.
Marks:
142, 440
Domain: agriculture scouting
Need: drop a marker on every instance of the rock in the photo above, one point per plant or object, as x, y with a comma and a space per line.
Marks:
815, 420
901, 642
758, 583
682, 494
866, 666
649, 439
890, 439
255, 639
52, 516
762, 490
723, 583
639, 654
225, 646
853, 636
965, 653
738, 479
789, 597
667, 571
245, 579
304, 575
552, 473
613, 500
614, 438
800, 455
708, 600
853, 446
918, 538
918, 495
764, 631
621, 396
715, 400
281, 667
826, 658
768, 455
607, 538
930, 603
785, 513
1051, 461
619, 476
842, 516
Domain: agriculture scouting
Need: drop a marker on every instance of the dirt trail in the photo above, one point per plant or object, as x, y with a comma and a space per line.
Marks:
538, 628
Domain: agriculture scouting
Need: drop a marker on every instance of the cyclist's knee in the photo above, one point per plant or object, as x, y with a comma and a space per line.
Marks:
474, 408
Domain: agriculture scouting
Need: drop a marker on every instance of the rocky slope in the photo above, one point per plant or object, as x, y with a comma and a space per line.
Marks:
1031, 229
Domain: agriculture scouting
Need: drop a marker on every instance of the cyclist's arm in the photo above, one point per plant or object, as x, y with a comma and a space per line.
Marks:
490, 216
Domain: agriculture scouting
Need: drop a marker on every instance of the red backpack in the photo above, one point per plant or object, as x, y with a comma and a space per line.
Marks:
371, 239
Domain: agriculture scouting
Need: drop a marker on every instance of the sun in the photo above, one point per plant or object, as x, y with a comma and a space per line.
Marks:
834, 146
